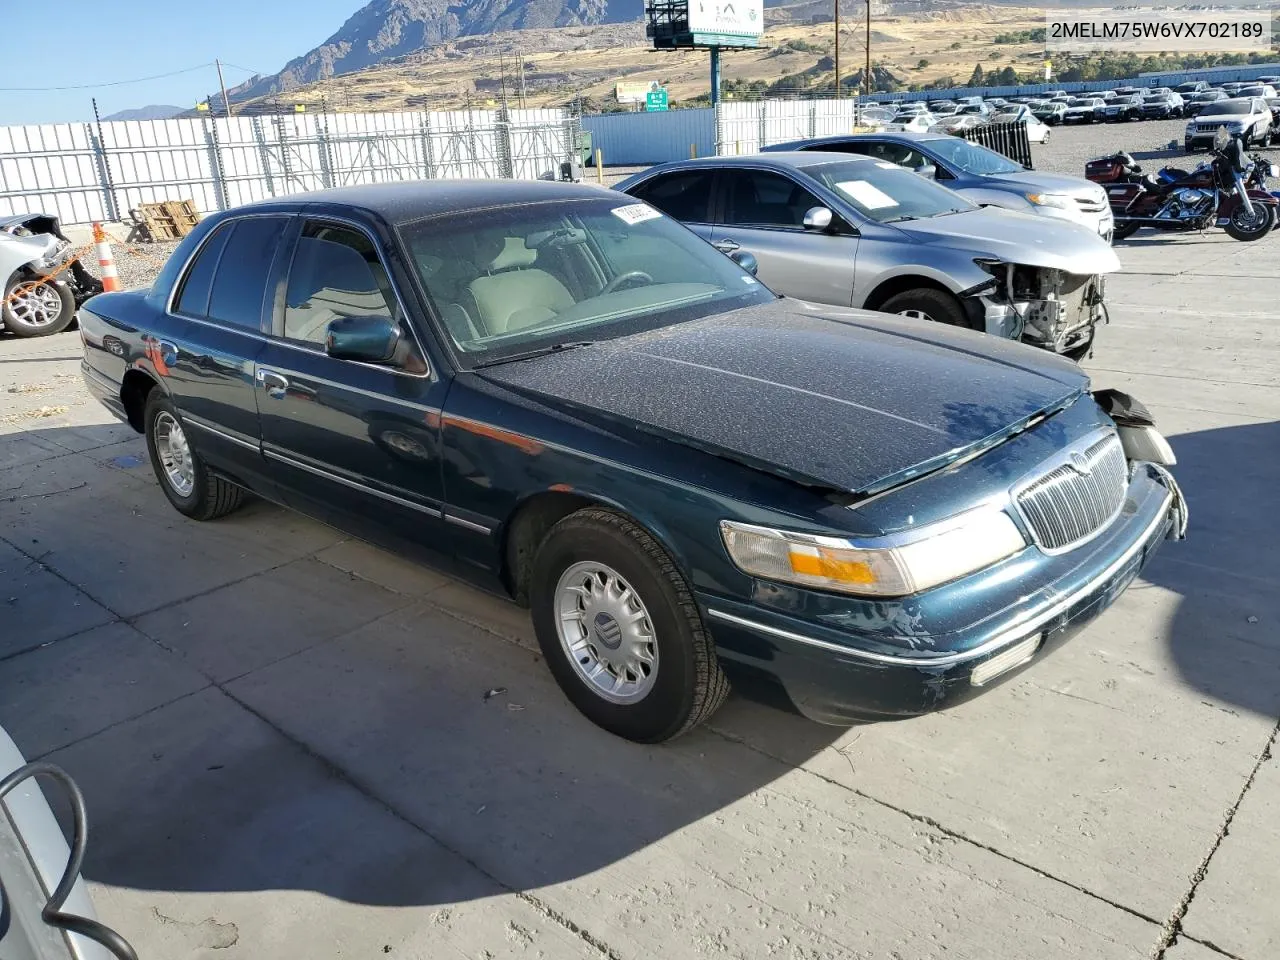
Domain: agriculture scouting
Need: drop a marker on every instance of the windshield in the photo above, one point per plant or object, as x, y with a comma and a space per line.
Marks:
887, 193
1080, 103
972, 158
1232, 106
508, 280
1207, 97
1252, 92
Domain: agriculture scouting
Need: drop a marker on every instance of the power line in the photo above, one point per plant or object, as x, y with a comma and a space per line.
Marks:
111, 83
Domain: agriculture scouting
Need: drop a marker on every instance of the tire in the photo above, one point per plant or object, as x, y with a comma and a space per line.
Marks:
684, 684
1124, 233
1254, 231
204, 496
927, 303
40, 310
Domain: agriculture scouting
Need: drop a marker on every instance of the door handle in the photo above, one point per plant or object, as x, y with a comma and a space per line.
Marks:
275, 383
726, 245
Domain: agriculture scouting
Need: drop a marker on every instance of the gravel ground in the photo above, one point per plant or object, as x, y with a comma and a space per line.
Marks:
1066, 152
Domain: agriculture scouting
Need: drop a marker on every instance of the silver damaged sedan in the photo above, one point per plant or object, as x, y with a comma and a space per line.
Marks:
852, 231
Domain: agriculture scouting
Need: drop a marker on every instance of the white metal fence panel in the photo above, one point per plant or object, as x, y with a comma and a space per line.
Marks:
51, 167
83, 172
747, 126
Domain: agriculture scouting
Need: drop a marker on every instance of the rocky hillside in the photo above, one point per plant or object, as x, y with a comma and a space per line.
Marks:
384, 30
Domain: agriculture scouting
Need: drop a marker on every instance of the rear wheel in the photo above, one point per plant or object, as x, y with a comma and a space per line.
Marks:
192, 489
34, 308
928, 304
620, 629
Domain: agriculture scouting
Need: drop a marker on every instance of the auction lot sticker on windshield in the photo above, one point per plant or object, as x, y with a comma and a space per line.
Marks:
634, 213
867, 194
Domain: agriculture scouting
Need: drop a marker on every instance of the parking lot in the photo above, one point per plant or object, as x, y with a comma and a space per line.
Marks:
295, 744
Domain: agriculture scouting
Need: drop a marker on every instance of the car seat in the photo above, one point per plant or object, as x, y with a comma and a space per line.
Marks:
512, 293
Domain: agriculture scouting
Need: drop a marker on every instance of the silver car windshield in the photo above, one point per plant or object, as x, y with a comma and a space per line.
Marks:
539, 275
886, 193
972, 158
1233, 106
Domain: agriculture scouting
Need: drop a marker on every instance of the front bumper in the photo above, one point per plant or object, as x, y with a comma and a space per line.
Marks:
836, 676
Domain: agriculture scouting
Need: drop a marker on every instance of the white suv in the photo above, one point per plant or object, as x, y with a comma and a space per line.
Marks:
1246, 117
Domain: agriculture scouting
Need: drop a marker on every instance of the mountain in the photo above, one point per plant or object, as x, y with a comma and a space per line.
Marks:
154, 111
383, 30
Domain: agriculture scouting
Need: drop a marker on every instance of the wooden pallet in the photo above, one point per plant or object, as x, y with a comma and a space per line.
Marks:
170, 220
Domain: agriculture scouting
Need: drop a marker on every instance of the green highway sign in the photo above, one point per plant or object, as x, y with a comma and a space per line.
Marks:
656, 99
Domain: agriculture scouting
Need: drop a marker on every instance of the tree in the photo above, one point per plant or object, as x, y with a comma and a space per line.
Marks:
1008, 77
976, 79
922, 63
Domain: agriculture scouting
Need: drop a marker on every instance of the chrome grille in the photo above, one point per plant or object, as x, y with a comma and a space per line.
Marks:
1075, 499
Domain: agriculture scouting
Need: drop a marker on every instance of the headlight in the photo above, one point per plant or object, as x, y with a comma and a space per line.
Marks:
1191, 127
894, 566
1050, 200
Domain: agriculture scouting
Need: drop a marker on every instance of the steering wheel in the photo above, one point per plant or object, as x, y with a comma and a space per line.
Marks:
626, 279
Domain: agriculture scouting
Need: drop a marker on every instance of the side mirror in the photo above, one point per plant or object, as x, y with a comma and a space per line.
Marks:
366, 339
817, 218
747, 261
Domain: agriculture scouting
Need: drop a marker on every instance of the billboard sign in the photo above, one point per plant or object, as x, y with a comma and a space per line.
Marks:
727, 22
635, 91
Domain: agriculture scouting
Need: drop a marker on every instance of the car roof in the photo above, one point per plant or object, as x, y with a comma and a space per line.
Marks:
415, 199
780, 159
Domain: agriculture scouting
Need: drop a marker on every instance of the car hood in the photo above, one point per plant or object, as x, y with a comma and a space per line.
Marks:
1033, 181
1209, 116
1014, 237
847, 401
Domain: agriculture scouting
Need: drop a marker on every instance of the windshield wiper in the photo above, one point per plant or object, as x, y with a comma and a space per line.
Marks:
905, 216
538, 352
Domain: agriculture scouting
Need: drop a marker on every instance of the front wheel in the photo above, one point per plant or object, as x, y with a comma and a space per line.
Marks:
620, 630
35, 308
1255, 226
1124, 232
928, 304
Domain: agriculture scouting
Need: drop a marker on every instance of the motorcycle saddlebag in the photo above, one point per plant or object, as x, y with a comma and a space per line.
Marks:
1104, 169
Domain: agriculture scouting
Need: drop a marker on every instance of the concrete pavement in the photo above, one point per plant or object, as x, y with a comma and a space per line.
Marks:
286, 747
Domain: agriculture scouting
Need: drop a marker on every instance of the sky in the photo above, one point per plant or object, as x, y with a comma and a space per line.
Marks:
96, 43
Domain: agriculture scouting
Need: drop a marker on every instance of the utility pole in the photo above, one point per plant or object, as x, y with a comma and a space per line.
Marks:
520, 68
837, 57
226, 104
866, 77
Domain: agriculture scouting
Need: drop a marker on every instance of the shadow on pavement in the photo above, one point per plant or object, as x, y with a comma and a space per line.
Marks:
360, 766
1229, 571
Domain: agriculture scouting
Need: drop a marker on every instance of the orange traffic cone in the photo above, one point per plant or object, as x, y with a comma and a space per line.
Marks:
106, 261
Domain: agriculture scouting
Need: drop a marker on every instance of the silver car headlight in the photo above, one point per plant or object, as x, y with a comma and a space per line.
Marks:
893, 566
1060, 200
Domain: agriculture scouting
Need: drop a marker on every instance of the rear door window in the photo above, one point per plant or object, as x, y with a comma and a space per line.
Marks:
240, 285
193, 293
685, 195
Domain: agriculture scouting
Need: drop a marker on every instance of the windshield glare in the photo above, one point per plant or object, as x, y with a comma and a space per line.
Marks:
508, 280
887, 193
972, 158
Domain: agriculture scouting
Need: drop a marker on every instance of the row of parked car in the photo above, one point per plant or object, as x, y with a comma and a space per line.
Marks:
1250, 110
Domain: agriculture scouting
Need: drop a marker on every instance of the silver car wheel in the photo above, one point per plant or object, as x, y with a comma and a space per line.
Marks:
606, 633
175, 454
915, 315
36, 304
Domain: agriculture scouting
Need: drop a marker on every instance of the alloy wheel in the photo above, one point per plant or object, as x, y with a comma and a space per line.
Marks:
915, 315
36, 304
606, 632
175, 454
